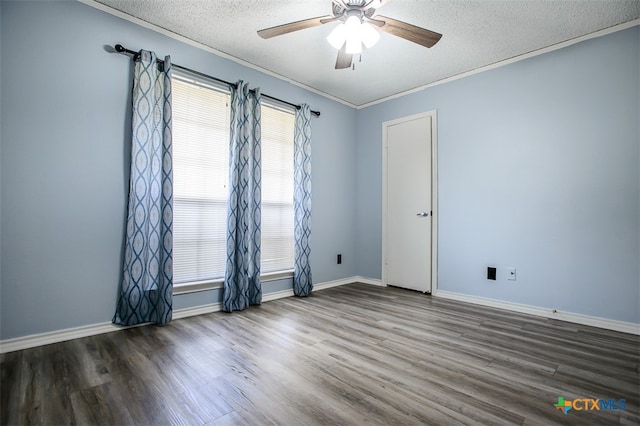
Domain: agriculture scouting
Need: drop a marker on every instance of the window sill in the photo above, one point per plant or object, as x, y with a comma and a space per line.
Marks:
276, 275
196, 286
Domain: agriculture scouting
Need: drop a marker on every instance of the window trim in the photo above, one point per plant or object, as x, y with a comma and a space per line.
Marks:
188, 77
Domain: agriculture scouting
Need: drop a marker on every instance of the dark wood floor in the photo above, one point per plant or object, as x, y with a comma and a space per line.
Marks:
354, 354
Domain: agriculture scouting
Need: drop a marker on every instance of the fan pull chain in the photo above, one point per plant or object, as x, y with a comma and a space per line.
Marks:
353, 65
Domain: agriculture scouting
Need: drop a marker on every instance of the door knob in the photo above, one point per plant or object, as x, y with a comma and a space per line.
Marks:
422, 214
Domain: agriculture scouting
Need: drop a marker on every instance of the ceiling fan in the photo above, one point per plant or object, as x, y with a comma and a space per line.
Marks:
357, 18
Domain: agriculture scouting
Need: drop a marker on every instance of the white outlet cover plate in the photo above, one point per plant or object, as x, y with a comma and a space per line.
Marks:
511, 274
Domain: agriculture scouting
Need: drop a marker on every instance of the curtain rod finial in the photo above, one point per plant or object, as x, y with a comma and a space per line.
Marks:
120, 48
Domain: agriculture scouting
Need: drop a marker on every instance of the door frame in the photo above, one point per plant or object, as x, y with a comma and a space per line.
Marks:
434, 194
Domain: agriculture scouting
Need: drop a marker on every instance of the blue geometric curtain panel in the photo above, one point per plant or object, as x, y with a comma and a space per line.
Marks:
147, 283
302, 284
242, 274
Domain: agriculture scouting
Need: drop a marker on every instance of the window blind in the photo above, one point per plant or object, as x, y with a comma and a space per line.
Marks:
201, 117
277, 188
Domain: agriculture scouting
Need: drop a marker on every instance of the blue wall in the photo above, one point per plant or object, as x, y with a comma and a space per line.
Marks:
539, 170
65, 154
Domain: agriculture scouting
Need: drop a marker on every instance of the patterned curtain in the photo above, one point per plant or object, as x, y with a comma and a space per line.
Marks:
147, 284
302, 284
242, 275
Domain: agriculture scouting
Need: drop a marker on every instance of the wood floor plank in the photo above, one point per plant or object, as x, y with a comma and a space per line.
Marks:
10, 384
350, 355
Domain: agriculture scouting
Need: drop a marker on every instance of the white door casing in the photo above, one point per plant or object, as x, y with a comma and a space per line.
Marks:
409, 202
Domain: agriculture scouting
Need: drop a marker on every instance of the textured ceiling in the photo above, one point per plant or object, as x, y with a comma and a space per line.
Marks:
476, 33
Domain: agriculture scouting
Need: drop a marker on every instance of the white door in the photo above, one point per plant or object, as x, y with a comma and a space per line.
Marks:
408, 207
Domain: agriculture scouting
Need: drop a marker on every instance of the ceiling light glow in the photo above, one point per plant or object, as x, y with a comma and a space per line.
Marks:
338, 36
368, 35
354, 33
354, 46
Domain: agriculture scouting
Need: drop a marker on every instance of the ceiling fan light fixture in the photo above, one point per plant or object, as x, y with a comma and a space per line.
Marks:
355, 30
353, 23
354, 45
354, 33
338, 36
368, 35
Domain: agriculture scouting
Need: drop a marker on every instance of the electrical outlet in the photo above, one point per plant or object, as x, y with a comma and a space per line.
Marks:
491, 273
511, 274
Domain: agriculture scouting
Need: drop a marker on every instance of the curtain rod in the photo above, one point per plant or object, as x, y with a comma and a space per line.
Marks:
121, 49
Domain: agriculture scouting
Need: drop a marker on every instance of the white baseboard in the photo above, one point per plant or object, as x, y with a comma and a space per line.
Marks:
322, 286
609, 324
41, 339
370, 281
275, 295
34, 340
196, 310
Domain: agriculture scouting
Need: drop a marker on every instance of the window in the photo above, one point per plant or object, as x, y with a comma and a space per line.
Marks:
200, 179
277, 189
201, 127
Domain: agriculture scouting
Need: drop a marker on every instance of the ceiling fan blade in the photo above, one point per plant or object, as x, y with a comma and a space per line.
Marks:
344, 59
409, 32
328, 20
373, 21
293, 26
